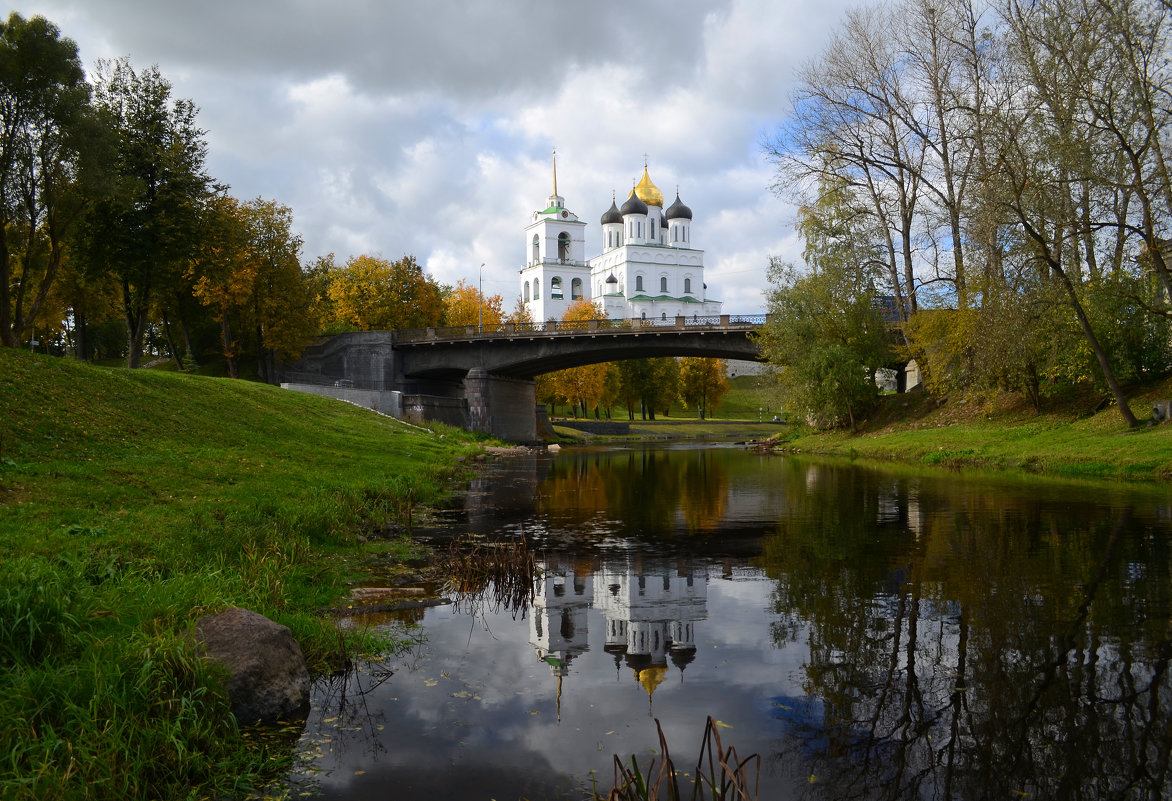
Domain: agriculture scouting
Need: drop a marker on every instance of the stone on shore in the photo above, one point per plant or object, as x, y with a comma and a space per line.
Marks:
267, 677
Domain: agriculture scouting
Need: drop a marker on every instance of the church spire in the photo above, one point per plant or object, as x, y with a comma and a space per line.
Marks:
555, 200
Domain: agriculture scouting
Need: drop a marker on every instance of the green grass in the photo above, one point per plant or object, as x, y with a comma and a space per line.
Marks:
133, 502
1067, 439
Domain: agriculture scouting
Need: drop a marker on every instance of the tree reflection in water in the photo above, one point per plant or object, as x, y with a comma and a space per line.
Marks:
971, 645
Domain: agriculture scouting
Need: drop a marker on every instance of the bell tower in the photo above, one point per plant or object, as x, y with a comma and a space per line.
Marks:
555, 273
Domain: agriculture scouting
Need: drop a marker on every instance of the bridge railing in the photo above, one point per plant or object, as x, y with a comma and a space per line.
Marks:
551, 327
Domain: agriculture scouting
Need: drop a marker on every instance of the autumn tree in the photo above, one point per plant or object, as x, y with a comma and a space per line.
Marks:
466, 305
50, 149
584, 386
370, 293
282, 311
703, 383
248, 270
647, 385
224, 270
520, 313
145, 229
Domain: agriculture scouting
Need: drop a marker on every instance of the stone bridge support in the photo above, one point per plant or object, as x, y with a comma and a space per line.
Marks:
503, 407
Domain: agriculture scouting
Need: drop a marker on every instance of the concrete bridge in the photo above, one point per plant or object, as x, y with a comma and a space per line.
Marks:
482, 378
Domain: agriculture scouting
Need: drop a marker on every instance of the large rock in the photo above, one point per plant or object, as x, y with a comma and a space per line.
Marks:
267, 678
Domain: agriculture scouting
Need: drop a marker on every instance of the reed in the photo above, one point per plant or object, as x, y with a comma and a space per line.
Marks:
720, 774
492, 575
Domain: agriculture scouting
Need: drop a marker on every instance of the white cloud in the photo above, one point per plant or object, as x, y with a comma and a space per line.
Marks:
427, 128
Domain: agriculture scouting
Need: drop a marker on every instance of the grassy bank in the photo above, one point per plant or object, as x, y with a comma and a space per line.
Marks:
133, 502
1070, 437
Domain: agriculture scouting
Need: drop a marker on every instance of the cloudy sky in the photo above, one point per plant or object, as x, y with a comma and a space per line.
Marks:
394, 127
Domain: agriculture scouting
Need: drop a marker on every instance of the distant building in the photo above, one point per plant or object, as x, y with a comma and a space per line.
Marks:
647, 269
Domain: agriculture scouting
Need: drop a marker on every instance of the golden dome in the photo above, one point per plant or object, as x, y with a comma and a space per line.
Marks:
648, 192
652, 677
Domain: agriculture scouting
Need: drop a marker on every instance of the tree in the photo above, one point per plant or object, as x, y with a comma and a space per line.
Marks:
248, 270
49, 142
144, 231
583, 386
703, 383
827, 340
370, 293
647, 385
224, 270
520, 314
465, 305
282, 310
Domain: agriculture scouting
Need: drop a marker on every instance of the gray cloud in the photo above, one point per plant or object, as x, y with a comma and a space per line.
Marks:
426, 128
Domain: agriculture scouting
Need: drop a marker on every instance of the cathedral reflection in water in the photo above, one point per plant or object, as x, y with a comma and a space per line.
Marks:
650, 607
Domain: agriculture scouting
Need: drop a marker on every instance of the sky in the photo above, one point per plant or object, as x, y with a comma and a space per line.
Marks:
392, 127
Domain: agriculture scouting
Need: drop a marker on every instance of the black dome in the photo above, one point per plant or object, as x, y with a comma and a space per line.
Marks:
678, 210
634, 205
612, 215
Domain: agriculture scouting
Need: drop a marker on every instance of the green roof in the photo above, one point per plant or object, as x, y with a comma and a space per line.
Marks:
684, 299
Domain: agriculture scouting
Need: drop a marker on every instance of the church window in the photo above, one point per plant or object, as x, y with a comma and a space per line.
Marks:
563, 246
567, 625
526, 290
642, 315
638, 283
663, 316
576, 289
663, 283
536, 248
537, 290
555, 288
687, 286
652, 227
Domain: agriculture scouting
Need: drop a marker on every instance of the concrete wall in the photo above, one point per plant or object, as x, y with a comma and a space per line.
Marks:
384, 401
424, 409
365, 359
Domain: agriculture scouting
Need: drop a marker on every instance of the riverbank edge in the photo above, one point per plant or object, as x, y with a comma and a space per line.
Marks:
1072, 439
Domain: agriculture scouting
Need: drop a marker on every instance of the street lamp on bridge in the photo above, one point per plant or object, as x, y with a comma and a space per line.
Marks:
480, 303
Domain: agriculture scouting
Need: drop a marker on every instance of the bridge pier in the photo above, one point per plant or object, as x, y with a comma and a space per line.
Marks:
503, 407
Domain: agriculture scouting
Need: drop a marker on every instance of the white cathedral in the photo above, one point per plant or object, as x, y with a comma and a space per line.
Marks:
648, 269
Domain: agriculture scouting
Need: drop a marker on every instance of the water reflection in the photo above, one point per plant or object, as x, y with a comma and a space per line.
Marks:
874, 634
649, 608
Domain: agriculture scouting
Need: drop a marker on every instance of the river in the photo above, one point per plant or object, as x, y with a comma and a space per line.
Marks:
870, 633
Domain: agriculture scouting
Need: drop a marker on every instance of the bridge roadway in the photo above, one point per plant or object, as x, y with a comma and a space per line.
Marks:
482, 378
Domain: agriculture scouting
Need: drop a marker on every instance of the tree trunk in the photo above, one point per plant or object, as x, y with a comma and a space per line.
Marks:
171, 342
81, 343
226, 339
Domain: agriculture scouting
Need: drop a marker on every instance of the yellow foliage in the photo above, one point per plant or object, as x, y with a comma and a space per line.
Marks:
464, 306
584, 385
370, 293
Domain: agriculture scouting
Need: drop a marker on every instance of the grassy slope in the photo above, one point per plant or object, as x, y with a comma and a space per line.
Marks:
1067, 439
132, 502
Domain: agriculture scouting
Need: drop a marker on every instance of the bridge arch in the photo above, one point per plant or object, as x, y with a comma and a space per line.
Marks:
483, 378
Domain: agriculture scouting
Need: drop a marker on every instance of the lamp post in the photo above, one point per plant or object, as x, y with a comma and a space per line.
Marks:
480, 303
